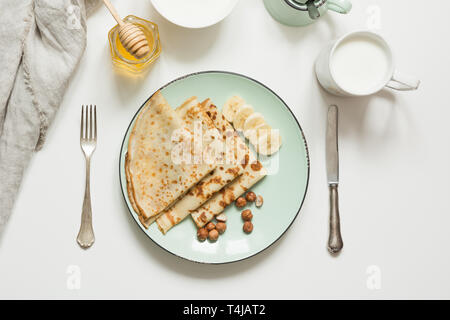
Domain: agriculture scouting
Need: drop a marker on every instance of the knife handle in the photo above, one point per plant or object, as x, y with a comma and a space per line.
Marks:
335, 242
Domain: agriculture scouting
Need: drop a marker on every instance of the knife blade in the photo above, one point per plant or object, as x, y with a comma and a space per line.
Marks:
335, 243
332, 153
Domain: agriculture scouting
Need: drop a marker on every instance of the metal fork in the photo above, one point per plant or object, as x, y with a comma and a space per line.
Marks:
88, 142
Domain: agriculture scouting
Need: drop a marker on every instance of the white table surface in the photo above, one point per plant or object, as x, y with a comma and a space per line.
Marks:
395, 169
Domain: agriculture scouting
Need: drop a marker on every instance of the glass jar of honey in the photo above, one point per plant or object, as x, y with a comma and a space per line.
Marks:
122, 59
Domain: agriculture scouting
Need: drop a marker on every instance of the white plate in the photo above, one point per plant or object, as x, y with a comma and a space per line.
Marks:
194, 13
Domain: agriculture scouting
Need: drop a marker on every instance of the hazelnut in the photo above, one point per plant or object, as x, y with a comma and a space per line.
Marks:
213, 235
221, 217
246, 215
248, 227
241, 202
210, 226
250, 196
259, 201
221, 227
202, 234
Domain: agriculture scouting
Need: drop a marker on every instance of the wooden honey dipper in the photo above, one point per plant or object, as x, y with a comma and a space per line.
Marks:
131, 36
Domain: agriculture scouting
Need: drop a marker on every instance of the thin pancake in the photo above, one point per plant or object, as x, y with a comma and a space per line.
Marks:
222, 175
129, 185
202, 127
155, 180
253, 172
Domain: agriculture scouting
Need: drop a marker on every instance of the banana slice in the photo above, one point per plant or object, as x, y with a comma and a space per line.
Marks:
264, 128
252, 134
243, 113
265, 140
269, 142
253, 121
231, 107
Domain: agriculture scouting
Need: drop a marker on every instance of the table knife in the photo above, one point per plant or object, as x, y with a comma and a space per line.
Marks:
335, 242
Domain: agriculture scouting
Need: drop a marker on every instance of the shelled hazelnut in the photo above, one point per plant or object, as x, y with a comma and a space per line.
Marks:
221, 217
247, 215
250, 196
259, 201
248, 227
210, 226
241, 202
213, 235
202, 234
221, 227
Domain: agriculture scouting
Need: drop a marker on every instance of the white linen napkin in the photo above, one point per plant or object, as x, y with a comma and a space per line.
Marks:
41, 42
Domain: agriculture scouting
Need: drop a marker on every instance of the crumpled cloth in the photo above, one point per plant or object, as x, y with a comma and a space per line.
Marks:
41, 44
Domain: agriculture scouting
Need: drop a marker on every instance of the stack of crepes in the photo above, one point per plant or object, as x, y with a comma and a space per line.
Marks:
187, 161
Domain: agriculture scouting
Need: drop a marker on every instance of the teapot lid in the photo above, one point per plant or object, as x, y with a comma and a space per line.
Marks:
302, 4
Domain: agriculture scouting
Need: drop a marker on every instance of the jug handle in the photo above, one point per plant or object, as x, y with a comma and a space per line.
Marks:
340, 6
403, 82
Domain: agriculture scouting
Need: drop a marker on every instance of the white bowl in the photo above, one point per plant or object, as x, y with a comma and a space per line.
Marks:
194, 13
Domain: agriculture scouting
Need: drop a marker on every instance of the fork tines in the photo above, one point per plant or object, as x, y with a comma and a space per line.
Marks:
88, 122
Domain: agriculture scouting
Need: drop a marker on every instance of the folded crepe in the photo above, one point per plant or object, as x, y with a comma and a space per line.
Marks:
227, 195
253, 172
225, 172
154, 179
201, 127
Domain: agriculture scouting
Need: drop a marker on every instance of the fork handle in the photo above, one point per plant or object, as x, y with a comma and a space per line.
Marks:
85, 236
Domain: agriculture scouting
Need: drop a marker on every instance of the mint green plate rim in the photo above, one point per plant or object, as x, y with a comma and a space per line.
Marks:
292, 115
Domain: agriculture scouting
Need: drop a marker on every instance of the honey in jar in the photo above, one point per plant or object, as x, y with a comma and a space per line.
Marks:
122, 59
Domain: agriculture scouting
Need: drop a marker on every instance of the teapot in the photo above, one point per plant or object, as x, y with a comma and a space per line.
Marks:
304, 12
